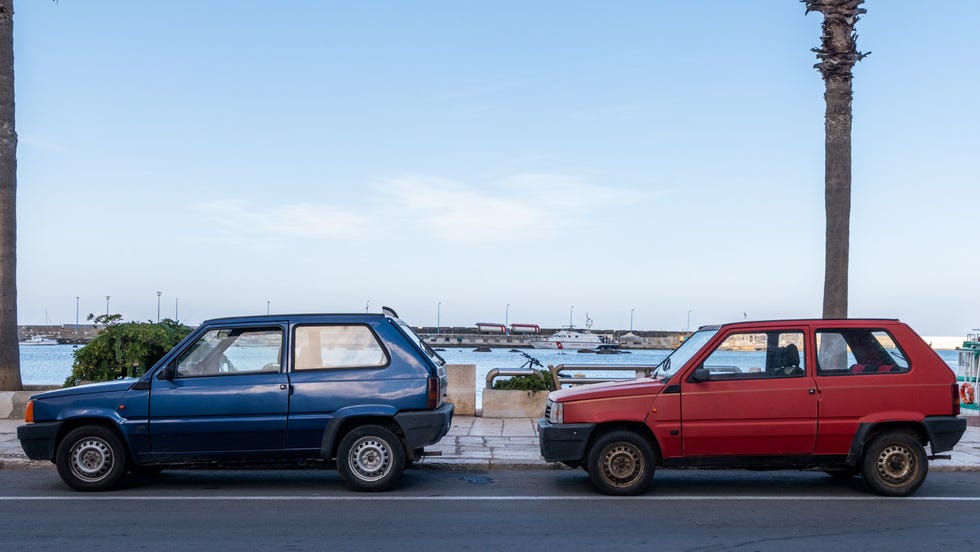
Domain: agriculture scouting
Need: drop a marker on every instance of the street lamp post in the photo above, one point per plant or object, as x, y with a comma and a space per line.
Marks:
367, 306
439, 317
107, 306
570, 325
267, 302
689, 321
176, 309
76, 315
631, 318
507, 318
159, 293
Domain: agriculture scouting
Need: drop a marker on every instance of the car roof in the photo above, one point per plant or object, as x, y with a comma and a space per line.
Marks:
299, 317
824, 322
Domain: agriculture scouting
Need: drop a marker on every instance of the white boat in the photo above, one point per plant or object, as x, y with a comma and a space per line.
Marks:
573, 339
569, 339
39, 340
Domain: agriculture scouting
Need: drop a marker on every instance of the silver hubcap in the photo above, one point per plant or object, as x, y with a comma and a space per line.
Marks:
896, 463
622, 464
91, 459
370, 458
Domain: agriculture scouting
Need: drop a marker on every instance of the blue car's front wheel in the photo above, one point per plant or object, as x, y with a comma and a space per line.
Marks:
91, 458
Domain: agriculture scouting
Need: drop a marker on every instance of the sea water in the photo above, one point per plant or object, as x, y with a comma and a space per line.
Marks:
51, 365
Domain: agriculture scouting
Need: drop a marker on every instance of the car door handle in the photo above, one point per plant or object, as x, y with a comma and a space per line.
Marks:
283, 386
813, 391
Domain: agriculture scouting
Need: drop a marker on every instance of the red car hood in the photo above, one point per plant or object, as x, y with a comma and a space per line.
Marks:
642, 386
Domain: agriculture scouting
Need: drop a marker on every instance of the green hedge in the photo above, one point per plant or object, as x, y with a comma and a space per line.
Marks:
125, 350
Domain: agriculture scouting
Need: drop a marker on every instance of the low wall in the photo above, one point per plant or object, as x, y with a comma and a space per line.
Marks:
13, 403
461, 390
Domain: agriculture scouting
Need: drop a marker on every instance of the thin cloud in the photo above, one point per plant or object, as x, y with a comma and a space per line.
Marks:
540, 205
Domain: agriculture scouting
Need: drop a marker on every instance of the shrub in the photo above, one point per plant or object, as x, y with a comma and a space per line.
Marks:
124, 349
529, 382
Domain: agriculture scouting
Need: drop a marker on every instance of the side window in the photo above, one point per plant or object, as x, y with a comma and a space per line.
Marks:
329, 347
859, 351
757, 356
232, 351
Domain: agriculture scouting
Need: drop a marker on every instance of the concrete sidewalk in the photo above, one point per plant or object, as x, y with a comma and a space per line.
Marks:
476, 443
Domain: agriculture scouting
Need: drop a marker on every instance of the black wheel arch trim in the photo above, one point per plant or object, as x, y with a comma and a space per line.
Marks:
943, 432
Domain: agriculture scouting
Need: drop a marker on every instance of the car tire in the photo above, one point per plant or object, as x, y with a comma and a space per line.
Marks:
894, 464
91, 458
621, 463
371, 458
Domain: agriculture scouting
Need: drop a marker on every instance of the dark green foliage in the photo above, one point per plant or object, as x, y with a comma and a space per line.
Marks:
527, 383
125, 349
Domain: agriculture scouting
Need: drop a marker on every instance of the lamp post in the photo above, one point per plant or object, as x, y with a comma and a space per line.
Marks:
688, 321
570, 325
631, 318
176, 309
507, 318
159, 293
267, 302
438, 317
76, 315
107, 306
367, 306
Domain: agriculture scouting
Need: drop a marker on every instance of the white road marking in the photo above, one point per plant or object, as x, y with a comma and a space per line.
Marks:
244, 498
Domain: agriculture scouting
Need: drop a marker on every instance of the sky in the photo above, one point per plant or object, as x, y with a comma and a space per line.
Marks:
650, 163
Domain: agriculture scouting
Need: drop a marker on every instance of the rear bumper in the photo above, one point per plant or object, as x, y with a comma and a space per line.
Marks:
944, 431
38, 439
425, 427
563, 442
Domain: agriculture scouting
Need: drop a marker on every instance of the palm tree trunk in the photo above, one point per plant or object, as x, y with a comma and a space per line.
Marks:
10, 379
837, 54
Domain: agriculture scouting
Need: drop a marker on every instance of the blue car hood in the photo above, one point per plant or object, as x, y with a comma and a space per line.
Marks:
103, 387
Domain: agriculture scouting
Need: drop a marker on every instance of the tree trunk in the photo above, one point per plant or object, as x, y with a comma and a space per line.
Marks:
837, 196
837, 54
10, 379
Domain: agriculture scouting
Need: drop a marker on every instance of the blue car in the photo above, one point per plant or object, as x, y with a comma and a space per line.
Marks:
359, 389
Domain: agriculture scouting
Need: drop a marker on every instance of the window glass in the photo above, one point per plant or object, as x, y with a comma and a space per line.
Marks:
757, 355
859, 351
232, 351
325, 347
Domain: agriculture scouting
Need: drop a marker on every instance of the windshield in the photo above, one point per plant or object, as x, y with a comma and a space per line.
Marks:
422, 345
679, 357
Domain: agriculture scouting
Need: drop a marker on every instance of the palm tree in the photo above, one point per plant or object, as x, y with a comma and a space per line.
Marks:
837, 54
9, 351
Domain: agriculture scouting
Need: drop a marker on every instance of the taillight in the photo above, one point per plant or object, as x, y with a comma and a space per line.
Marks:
956, 399
29, 412
433, 393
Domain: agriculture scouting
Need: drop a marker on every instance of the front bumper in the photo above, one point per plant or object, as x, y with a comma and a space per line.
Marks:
425, 427
563, 442
39, 439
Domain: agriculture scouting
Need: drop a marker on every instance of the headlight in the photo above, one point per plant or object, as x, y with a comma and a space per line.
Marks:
556, 414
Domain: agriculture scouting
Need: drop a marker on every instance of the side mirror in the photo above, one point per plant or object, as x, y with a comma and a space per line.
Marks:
700, 375
168, 372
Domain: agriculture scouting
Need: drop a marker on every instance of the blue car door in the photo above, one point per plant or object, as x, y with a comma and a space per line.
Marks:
224, 394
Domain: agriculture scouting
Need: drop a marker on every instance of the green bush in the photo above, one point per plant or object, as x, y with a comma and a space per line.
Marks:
124, 349
527, 383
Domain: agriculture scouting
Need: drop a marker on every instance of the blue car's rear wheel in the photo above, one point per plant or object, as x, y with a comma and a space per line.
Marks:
371, 458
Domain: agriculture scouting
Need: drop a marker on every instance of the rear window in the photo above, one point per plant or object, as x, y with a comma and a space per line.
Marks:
859, 352
337, 346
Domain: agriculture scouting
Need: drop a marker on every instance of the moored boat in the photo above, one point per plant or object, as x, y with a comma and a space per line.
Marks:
39, 340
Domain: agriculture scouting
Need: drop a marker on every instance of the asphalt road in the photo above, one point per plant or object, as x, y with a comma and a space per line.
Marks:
437, 510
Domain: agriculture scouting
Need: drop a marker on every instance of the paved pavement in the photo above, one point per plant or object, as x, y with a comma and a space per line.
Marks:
503, 443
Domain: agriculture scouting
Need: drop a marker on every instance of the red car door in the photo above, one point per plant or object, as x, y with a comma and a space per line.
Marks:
751, 396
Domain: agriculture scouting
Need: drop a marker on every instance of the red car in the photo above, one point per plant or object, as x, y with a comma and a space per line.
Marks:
846, 397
